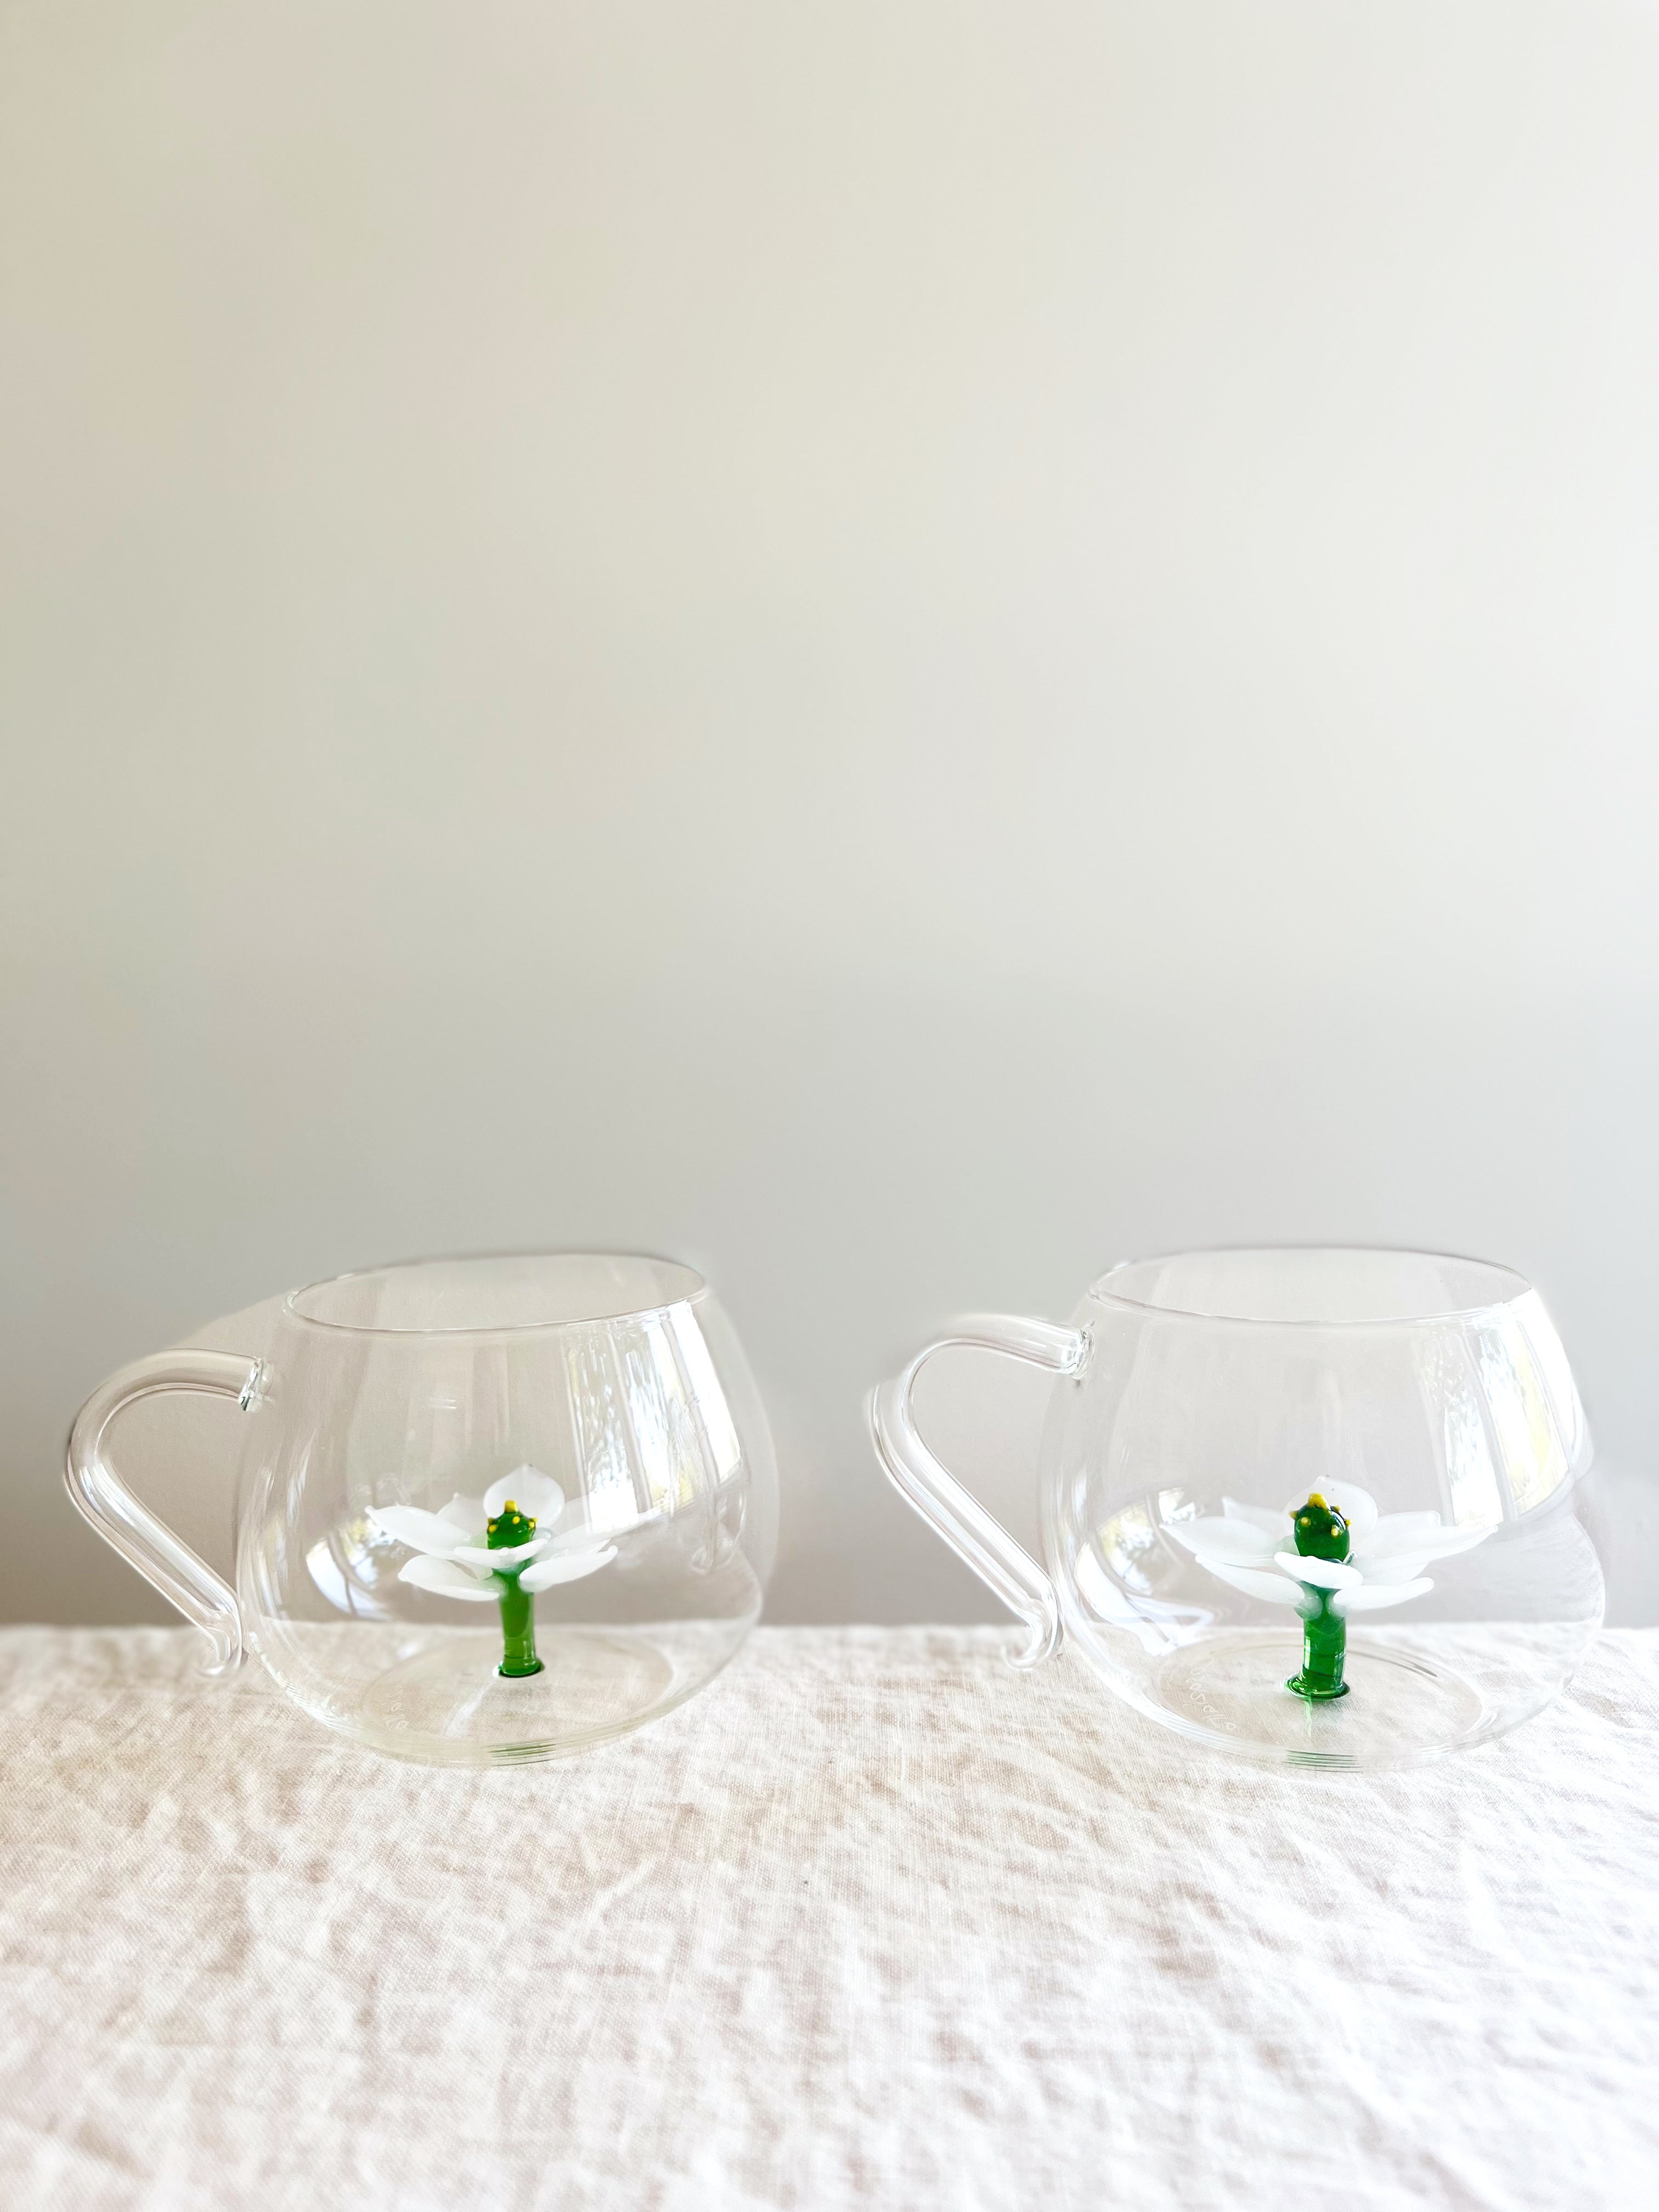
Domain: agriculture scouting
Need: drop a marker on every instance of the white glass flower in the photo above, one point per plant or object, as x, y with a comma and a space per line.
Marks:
454, 1557
1254, 1548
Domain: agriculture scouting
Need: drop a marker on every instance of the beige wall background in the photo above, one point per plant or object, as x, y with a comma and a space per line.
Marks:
897, 649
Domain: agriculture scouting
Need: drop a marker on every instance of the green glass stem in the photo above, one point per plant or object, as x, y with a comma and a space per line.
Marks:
1324, 1648
518, 1628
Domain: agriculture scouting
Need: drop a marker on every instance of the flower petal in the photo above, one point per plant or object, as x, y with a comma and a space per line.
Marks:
467, 1513
1276, 1525
1401, 1567
1321, 1574
577, 1538
1273, 1589
1422, 1535
1372, 1597
565, 1567
420, 1530
1402, 1527
1215, 1538
1448, 1542
530, 1490
445, 1579
501, 1558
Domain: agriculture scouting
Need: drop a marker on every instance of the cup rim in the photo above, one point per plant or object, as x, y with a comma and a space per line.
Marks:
695, 1287
1519, 1288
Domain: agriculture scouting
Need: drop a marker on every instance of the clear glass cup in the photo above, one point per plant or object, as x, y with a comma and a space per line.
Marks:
488, 1510
1313, 1506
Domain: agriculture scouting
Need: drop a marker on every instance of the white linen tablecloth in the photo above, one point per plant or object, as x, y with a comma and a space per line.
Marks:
875, 1921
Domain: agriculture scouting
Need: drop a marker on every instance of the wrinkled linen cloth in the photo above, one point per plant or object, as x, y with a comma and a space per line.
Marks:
875, 1921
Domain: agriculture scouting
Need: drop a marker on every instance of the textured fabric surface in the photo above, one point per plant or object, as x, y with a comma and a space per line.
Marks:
875, 1921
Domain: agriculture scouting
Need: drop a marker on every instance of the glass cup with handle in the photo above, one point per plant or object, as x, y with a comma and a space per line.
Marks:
1307, 1505
488, 1510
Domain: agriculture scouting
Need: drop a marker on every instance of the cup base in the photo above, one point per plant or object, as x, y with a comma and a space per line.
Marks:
1400, 1706
438, 1696
589, 1684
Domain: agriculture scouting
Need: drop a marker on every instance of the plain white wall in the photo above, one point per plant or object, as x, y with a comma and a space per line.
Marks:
896, 648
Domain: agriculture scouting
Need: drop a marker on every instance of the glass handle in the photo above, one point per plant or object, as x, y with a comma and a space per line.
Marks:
1005, 1567
146, 1543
